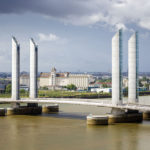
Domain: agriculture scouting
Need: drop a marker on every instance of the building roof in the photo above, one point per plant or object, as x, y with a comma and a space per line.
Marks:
108, 83
24, 76
44, 75
47, 75
62, 75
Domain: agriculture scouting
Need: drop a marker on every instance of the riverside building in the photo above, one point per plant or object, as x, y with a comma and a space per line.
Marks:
54, 80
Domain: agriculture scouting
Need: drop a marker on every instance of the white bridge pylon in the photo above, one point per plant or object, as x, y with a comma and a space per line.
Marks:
117, 91
16, 69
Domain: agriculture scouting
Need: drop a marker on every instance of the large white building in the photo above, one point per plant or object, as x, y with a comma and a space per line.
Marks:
24, 80
54, 80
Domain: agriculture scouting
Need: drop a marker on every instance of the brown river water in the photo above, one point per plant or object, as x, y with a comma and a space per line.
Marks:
67, 130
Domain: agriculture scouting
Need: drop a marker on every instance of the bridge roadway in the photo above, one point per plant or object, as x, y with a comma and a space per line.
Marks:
75, 101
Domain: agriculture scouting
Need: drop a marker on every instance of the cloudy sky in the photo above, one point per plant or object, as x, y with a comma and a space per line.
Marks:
73, 35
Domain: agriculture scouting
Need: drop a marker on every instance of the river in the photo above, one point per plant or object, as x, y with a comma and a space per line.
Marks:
67, 130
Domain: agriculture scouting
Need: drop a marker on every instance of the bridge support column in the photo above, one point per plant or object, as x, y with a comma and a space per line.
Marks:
124, 116
15, 71
50, 109
33, 69
32, 105
146, 115
97, 120
33, 72
117, 68
24, 110
133, 68
2, 111
10, 111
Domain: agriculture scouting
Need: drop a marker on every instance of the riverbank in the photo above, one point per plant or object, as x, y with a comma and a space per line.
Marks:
70, 94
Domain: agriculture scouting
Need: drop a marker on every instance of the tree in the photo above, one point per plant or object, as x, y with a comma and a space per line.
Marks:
146, 86
45, 88
71, 87
144, 78
8, 88
140, 84
22, 91
104, 85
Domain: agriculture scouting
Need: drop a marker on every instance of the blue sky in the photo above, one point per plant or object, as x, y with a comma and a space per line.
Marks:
73, 35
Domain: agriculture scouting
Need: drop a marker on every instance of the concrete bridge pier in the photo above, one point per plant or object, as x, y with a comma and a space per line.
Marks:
146, 115
31, 108
97, 120
15, 71
33, 72
116, 116
24, 110
124, 116
33, 69
2, 111
46, 109
133, 60
117, 68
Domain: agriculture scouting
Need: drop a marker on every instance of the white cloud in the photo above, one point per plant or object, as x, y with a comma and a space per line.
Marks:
49, 37
116, 13
120, 26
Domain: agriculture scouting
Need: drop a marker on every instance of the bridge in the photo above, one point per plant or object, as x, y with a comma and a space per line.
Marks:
121, 112
76, 101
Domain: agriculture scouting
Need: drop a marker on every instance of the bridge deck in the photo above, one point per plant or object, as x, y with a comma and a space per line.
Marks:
87, 102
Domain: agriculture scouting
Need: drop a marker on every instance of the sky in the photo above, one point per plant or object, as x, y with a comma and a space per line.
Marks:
73, 35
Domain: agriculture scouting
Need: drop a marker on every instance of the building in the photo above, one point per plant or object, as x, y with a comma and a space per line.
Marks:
3, 85
24, 80
2, 88
100, 90
54, 80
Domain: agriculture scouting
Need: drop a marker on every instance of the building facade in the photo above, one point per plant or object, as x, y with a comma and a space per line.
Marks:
24, 80
54, 80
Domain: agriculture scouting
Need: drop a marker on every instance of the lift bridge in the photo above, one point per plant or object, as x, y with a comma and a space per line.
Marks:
117, 97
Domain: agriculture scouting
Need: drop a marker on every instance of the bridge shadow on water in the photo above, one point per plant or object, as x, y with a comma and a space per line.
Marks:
66, 115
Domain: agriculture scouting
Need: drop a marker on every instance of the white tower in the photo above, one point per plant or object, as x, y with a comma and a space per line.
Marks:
133, 68
117, 68
33, 69
15, 69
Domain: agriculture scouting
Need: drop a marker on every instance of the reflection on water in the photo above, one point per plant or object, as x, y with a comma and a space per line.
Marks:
116, 137
66, 115
67, 130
